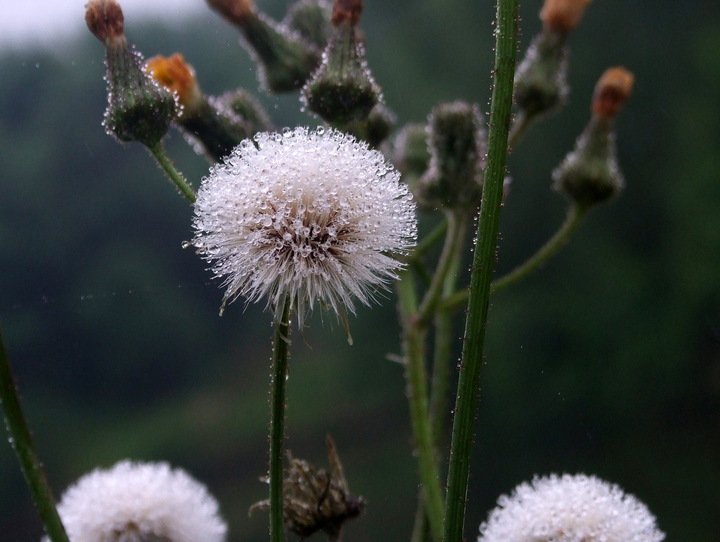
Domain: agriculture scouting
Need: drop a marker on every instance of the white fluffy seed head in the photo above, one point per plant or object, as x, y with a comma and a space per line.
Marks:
313, 215
569, 508
140, 502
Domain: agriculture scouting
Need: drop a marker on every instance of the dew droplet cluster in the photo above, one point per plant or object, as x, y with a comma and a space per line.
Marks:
315, 215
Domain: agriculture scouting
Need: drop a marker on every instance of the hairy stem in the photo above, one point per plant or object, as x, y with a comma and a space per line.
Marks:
25, 450
417, 393
281, 344
483, 259
161, 157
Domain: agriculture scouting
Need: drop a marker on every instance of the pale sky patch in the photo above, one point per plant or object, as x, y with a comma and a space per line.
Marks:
43, 22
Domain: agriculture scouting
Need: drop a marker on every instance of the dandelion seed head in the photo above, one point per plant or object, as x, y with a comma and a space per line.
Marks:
140, 502
313, 215
569, 508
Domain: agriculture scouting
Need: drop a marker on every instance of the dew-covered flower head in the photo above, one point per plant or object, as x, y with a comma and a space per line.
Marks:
140, 502
306, 216
569, 508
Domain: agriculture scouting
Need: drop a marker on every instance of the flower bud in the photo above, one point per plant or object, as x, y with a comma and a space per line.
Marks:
284, 58
343, 89
138, 108
457, 143
410, 152
541, 78
210, 125
245, 106
375, 128
590, 173
562, 15
311, 19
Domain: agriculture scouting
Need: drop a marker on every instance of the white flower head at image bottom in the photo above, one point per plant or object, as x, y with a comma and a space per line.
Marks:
140, 502
304, 216
569, 508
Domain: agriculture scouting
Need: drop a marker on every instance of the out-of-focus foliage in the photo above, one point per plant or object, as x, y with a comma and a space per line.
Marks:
607, 361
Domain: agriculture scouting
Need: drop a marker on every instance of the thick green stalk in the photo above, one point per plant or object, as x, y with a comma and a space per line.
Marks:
25, 451
473, 342
281, 345
158, 152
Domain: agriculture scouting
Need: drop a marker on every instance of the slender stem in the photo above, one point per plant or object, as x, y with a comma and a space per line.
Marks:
25, 451
453, 238
483, 259
281, 344
442, 354
417, 393
161, 157
573, 218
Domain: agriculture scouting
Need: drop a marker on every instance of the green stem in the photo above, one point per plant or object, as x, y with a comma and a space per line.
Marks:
573, 218
483, 259
281, 344
442, 354
25, 451
453, 239
161, 157
417, 393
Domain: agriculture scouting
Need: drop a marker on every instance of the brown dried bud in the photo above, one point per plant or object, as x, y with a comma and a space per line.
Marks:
315, 499
563, 15
611, 91
105, 19
235, 11
347, 10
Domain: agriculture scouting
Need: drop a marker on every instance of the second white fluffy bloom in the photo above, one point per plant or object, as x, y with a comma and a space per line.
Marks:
140, 502
313, 215
569, 509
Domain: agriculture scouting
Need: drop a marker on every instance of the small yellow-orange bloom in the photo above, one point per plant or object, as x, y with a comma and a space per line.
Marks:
611, 91
177, 76
563, 15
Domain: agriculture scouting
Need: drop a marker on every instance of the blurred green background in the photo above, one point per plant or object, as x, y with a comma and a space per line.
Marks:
606, 361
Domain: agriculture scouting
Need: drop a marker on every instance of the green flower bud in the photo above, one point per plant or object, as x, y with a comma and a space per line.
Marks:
285, 59
541, 78
457, 142
590, 173
375, 128
221, 123
138, 108
342, 89
245, 106
411, 154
